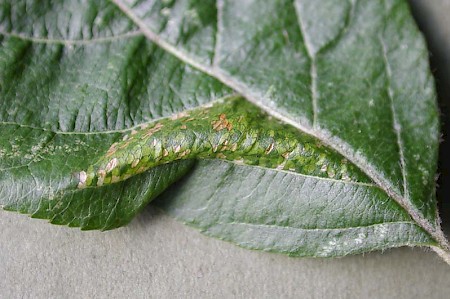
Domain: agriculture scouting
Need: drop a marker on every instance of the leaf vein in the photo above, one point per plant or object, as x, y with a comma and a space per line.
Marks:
396, 123
219, 29
43, 40
313, 68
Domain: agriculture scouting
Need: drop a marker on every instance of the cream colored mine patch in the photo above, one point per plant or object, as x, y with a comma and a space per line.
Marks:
82, 177
101, 174
135, 163
179, 115
111, 164
269, 149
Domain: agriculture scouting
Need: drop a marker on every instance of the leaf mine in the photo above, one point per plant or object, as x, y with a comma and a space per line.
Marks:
239, 132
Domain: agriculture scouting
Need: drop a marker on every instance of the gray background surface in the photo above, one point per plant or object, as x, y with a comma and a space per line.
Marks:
157, 257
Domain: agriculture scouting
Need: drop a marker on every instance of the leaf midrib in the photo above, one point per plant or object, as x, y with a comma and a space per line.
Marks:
333, 142
277, 226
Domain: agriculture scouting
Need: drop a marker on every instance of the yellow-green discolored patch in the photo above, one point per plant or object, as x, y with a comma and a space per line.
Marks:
232, 130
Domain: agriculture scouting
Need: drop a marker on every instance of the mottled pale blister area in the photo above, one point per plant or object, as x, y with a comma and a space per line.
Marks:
232, 130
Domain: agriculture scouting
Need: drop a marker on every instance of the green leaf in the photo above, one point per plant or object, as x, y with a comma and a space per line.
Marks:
350, 78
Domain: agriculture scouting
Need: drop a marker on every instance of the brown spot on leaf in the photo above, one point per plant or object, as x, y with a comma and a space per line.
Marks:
111, 164
82, 177
112, 149
185, 153
125, 144
281, 166
222, 123
179, 115
153, 130
141, 169
269, 149
101, 173
135, 163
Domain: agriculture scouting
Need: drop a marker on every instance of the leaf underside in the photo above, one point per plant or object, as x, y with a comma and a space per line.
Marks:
352, 76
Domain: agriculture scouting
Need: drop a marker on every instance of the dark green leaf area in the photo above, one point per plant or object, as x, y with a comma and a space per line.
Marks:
63, 20
99, 86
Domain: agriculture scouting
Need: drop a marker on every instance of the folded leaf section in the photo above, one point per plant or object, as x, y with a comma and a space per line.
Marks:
37, 177
230, 129
292, 214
